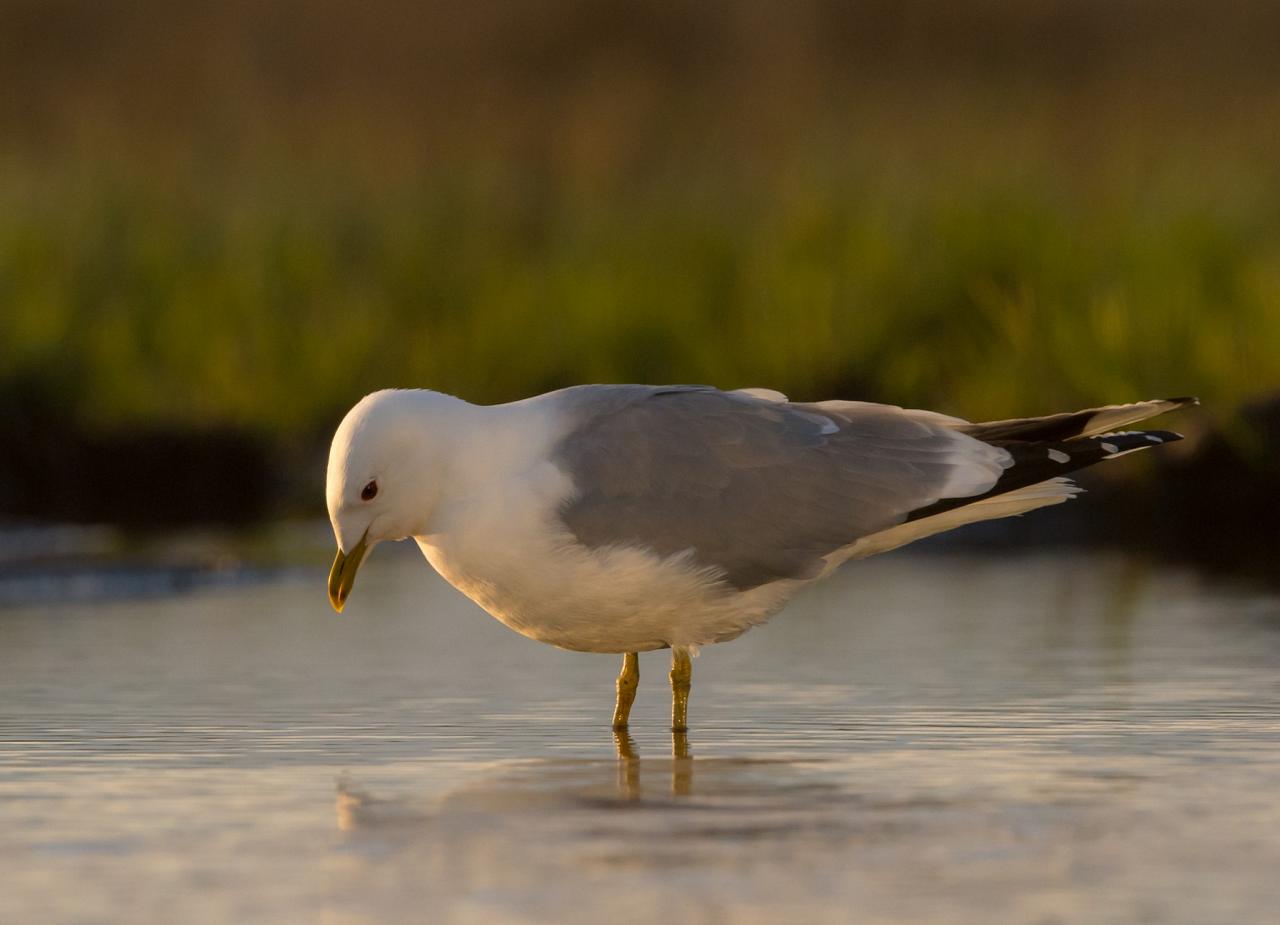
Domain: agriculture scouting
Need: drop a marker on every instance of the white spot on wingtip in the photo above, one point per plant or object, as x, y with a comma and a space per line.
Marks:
1110, 447
1059, 457
1154, 439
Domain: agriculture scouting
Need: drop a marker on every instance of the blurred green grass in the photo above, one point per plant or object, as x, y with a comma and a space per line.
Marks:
986, 297
235, 217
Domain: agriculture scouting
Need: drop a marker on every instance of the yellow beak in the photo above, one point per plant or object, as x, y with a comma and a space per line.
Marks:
343, 574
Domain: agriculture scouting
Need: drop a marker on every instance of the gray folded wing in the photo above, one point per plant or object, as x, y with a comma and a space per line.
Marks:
759, 489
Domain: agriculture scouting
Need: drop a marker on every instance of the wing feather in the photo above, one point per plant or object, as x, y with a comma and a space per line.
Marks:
758, 488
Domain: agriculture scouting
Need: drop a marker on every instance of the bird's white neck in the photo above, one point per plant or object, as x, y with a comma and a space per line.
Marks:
489, 444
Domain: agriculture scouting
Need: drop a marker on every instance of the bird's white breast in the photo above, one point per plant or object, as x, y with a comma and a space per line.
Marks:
505, 547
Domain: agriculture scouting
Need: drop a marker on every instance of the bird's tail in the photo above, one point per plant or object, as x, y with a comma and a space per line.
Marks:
1073, 425
1044, 449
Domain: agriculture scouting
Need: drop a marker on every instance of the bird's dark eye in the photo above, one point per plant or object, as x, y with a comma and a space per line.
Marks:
370, 491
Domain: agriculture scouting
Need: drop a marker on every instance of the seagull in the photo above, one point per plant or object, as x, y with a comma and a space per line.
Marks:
629, 518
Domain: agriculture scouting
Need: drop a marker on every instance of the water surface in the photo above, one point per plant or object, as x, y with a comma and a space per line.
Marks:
924, 738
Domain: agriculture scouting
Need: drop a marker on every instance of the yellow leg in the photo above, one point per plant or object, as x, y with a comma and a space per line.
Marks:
628, 681
681, 681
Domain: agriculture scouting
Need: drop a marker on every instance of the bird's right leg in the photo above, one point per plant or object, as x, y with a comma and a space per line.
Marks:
681, 682
628, 681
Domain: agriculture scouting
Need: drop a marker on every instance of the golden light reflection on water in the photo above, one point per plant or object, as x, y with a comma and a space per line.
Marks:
926, 740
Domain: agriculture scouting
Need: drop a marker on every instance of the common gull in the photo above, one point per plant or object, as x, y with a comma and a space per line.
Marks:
626, 518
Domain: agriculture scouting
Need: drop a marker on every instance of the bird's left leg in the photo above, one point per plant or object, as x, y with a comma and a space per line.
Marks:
628, 681
681, 682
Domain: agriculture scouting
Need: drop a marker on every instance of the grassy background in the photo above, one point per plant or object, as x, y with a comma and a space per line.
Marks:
246, 215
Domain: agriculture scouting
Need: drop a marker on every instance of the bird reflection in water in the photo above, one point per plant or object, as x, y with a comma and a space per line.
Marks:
629, 765
629, 779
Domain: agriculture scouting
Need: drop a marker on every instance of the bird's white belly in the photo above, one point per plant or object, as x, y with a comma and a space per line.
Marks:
523, 567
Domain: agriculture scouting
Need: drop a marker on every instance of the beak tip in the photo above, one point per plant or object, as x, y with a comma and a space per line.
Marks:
343, 574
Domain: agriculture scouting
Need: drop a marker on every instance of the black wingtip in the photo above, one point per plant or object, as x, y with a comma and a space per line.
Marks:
1184, 401
1119, 444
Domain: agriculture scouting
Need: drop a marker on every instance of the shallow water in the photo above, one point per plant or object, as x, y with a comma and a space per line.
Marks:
923, 738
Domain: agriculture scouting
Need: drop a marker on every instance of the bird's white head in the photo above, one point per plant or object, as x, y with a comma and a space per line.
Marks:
385, 474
